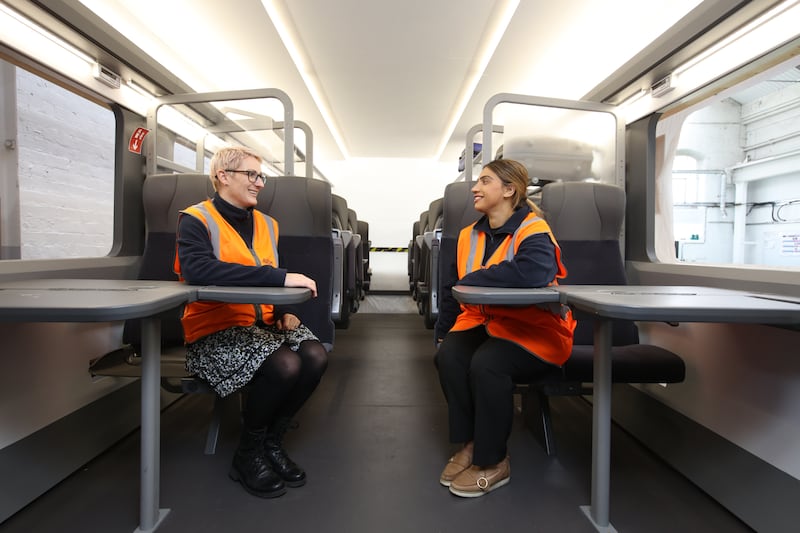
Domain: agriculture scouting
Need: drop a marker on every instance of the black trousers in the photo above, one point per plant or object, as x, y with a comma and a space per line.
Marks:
477, 373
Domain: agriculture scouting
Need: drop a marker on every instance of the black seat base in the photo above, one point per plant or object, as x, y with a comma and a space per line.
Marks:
635, 363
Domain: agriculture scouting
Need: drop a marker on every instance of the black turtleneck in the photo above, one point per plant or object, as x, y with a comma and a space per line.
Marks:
240, 219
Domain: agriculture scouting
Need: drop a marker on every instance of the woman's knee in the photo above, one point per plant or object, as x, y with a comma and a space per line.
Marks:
450, 357
442, 357
487, 364
313, 355
283, 364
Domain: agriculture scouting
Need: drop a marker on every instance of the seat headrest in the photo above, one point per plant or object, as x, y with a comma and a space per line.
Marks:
302, 206
459, 209
583, 210
352, 218
434, 214
339, 215
164, 195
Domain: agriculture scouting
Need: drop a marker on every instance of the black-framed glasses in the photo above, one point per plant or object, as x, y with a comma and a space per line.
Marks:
252, 175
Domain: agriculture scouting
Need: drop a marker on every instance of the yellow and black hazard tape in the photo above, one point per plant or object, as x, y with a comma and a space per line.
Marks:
387, 249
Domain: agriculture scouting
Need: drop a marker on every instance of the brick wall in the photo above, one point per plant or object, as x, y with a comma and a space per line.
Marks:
66, 171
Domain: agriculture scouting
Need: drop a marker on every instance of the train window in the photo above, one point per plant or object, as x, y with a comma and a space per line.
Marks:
727, 189
64, 199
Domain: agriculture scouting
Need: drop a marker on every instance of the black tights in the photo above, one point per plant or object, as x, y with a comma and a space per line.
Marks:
283, 383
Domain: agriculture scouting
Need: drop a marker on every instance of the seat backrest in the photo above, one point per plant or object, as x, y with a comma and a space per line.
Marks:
303, 206
432, 222
586, 219
435, 214
352, 220
458, 211
416, 249
343, 275
458, 208
366, 244
412, 252
358, 265
163, 196
339, 214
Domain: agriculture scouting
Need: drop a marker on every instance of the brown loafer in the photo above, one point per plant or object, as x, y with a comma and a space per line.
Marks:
476, 481
457, 464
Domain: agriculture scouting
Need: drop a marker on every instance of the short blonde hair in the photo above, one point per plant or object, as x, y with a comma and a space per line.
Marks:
514, 174
229, 157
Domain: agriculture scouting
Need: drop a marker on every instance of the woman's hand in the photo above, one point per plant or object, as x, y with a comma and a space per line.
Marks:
287, 322
299, 280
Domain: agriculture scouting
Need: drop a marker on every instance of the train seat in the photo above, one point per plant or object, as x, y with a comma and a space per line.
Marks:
303, 206
586, 218
414, 251
164, 195
366, 244
356, 276
458, 211
428, 243
343, 246
300, 249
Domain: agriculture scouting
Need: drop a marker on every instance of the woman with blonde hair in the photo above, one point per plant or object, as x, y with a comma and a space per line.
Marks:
268, 350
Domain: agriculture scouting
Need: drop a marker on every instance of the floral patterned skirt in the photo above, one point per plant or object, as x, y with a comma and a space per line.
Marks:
228, 359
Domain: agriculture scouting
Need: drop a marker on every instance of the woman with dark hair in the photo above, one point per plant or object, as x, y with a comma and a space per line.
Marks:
485, 349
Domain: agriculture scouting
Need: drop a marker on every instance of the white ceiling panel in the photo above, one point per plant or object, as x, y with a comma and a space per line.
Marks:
391, 72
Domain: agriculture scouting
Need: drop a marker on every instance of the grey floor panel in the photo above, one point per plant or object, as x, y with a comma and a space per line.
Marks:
373, 440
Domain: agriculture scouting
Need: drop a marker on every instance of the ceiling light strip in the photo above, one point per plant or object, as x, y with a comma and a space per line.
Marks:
276, 9
486, 50
47, 34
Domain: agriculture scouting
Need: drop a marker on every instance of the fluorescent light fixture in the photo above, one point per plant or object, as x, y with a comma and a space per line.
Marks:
502, 18
21, 33
140, 90
772, 28
176, 121
768, 31
635, 97
20, 19
276, 9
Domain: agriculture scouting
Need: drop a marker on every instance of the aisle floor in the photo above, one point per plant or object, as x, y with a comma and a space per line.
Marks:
373, 440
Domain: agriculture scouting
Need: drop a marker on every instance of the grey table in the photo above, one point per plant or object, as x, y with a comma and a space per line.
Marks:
467, 294
85, 300
642, 303
254, 295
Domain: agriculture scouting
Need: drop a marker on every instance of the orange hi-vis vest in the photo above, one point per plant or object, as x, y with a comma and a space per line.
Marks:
539, 330
202, 318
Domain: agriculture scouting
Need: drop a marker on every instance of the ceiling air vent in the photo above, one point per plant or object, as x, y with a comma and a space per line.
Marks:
662, 86
106, 76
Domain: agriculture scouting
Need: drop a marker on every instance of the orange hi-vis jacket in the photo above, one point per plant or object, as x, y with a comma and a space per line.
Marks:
539, 330
202, 318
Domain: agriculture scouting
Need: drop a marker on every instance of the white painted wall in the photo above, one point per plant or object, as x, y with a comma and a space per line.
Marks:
389, 194
66, 168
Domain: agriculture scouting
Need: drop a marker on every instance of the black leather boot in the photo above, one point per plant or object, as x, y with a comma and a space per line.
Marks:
292, 475
252, 469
